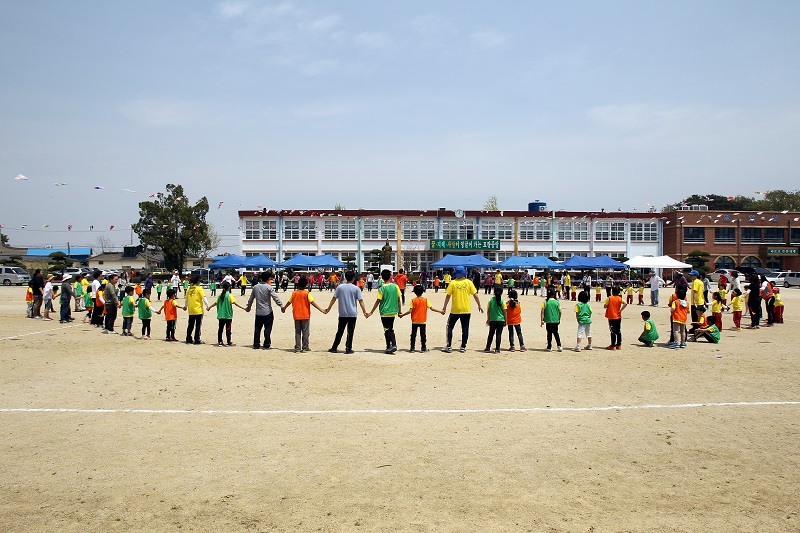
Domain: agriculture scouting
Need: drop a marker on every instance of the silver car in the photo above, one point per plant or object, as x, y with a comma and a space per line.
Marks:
14, 275
792, 279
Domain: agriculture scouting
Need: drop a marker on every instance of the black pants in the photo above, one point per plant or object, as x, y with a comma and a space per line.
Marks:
388, 330
244, 287
171, 329
552, 331
66, 312
348, 322
263, 322
224, 323
146, 326
195, 323
496, 332
423, 338
111, 317
615, 326
769, 303
37, 305
402, 295
451, 323
97, 315
755, 311
511, 329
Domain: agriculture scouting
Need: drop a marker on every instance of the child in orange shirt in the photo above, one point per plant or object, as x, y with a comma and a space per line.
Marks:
678, 317
419, 317
301, 302
170, 309
614, 307
436, 283
513, 310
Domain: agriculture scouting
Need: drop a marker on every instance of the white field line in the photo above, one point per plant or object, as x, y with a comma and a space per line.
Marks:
38, 332
279, 412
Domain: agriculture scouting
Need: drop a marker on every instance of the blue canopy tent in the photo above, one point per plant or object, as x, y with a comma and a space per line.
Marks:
230, 261
312, 261
538, 262
577, 262
259, 261
474, 261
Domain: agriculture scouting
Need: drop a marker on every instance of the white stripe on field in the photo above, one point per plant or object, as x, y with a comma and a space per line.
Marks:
390, 411
38, 332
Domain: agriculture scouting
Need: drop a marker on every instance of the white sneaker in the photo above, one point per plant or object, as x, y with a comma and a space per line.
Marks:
559, 349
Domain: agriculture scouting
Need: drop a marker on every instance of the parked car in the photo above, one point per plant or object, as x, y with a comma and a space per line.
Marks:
72, 271
792, 279
776, 278
714, 276
748, 271
14, 275
202, 272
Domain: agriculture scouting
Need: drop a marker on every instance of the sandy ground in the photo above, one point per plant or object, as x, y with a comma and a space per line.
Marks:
156, 436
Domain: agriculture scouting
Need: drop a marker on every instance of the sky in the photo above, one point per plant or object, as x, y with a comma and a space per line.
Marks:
387, 105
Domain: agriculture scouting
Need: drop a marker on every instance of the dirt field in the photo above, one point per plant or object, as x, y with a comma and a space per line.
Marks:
108, 433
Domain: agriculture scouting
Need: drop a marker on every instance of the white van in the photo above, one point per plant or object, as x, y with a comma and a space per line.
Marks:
14, 275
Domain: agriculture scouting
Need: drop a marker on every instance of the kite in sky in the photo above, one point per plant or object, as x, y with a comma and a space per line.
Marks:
220, 205
20, 177
97, 188
128, 190
24, 226
59, 184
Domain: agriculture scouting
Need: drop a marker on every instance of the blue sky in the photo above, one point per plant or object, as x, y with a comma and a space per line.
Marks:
295, 105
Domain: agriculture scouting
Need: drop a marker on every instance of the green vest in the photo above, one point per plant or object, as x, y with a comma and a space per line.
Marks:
551, 308
389, 304
584, 313
495, 311
652, 335
144, 310
224, 306
127, 306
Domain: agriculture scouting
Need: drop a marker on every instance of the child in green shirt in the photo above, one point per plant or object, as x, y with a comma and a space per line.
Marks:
649, 335
495, 319
128, 310
710, 332
159, 288
551, 315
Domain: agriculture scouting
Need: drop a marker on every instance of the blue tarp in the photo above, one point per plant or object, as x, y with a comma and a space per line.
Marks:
474, 261
312, 261
578, 262
259, 261
539, 262
229, 261
72, 252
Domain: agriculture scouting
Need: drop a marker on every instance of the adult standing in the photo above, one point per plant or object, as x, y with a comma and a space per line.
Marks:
526, 282
697, 298
148, 282
370, 281
768, 295
609, 284
460, 289
111, 303
655, 283
401, 280
37, 284
175, 280
736, 283
754, 302
97, 296
261, 294
567, 285
67, 293
488, 283
349, 296
196, 302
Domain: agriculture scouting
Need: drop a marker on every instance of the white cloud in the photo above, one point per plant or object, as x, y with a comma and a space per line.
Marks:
313, 111
161, 112
488, 39
431, 24
321, 24
319, 66
232, 8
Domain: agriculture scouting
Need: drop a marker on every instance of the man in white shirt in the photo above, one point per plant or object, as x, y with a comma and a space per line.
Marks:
655, 282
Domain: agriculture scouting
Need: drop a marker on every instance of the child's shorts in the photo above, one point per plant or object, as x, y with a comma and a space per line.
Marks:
584, 331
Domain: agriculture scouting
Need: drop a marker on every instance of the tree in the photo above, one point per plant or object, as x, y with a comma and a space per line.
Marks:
339, 207
350, 260
213, 243
171, 225
777, 200
491, 204
104, 243
15, 261
3, 238
698, 259
58, 262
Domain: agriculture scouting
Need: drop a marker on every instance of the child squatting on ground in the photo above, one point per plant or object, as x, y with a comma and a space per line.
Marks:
649, 334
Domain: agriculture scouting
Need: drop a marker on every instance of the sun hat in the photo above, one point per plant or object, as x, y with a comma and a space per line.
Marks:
460, 272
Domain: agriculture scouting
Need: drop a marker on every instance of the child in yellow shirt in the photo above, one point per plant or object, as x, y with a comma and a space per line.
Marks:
778, 306
736, 307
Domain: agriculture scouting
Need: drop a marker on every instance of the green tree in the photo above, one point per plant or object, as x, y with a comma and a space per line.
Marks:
15, 261
491, 204
715, 202
58, 262
3, 238
779, 200
173, 226
698, 259
350, 260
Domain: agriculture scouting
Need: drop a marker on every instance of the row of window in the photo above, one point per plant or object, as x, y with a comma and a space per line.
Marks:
423, 230
749, 235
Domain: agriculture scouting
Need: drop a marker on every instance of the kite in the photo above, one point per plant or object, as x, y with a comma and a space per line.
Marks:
91, 228
729, 198
59, 184
195, 226
220, 205
128, 190
153, 195
23, 226
759, 192
97, 188
69, 228
111, 228
45, 226
784, 212
20, 177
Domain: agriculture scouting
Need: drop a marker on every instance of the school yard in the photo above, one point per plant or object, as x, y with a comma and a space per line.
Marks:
108, 433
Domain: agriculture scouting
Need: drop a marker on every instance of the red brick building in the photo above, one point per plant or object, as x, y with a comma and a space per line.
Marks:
733, 238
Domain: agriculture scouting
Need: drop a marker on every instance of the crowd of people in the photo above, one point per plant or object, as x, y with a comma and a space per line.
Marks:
695, 311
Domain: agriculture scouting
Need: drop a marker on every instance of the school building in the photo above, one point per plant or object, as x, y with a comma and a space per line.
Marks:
420, 237
747, 238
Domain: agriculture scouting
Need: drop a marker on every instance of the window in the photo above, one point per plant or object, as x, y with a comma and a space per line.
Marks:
774, 235
609, 231
694, 235
388, 230
644, 231
379, 230
370, 229
751, 235
419, 230
300, 230
458, 229
340, 229
795, 235
497, 229
617, 255
725, 262
497, 256
751, 261
774, 263
418, 261
724, 236
271, 255
563, 256
573, 231
538, 230
260, 229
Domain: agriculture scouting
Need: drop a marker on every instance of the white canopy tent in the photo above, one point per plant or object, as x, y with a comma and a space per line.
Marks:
658, 261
